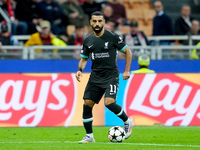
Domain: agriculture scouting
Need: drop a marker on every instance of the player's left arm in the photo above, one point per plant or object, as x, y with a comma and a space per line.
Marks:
128, 58
122, 47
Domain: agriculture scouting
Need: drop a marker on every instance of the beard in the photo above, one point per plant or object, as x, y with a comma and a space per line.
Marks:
97, 29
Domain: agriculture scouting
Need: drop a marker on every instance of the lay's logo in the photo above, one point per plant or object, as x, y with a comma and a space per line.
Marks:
169, 99
36, 99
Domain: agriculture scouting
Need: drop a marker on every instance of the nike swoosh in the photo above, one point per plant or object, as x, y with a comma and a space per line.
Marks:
90, 46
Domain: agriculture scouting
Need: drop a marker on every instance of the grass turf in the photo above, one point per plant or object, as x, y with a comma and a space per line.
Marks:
61, 138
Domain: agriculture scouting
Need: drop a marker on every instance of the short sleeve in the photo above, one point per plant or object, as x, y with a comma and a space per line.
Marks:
119, 43
84, 51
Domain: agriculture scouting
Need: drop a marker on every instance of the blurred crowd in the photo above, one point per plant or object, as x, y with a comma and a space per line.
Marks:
27, 17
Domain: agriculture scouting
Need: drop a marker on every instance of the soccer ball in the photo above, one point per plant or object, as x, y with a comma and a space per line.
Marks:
116, 134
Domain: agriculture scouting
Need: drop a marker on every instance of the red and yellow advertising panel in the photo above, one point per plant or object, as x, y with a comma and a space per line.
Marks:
168, 99
43, 100
29, 100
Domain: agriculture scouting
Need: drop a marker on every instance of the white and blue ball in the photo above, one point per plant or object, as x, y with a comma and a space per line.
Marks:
116, 134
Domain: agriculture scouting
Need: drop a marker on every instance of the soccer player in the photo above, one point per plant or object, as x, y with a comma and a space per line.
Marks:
104, 78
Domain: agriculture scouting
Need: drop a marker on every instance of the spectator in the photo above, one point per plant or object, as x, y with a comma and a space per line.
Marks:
74, 13
183, 23
63, 36
119, 12
52, 12
194, 30
102, 2
6, 39
197, 2
110, 25
32, 17
143, 62
13, 3
90, 6
80, 2
135, 37
45, 37
59, 1
107, 12
194, 54
162, 24
77, 39
17, 27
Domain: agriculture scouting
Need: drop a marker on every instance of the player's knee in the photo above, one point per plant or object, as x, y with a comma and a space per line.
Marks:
89, 103
109, 101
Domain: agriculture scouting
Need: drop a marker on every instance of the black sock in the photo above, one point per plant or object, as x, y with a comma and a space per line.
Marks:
115, 108
87, 118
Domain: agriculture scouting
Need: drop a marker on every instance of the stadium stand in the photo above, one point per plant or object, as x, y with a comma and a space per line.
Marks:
146, 29
148, 16
141, 4
125, 29
136, 9
137, 4
134, 14
71, 28
142, 11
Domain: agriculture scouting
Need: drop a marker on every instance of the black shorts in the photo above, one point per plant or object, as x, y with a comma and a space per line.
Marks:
94, 91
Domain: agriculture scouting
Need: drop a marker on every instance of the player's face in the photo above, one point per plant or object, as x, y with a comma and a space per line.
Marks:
97, 23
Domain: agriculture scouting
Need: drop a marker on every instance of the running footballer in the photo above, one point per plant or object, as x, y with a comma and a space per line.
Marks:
103, 46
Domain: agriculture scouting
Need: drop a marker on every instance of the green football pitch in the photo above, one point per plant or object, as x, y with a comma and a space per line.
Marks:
61, 138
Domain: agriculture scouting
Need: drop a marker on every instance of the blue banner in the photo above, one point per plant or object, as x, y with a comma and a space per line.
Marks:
50, 66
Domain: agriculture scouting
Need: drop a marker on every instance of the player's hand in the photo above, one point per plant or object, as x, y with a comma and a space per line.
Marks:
78, 75
126, 75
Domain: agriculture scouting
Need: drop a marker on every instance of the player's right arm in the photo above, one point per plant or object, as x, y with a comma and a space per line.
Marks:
122, 47
83, 61
81, 65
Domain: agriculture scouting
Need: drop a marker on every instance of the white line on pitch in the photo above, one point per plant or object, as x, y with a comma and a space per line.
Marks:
147, 144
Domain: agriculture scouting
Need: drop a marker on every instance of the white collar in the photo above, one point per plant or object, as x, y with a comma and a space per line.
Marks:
185, 18
160, 13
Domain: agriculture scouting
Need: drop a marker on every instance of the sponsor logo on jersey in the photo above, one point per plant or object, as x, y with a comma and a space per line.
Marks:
100, 55
106, 45
92, 55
